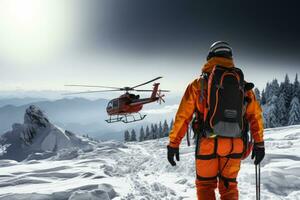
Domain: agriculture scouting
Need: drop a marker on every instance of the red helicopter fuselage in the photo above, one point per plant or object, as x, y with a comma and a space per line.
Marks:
121, 105
126, 107
130, 103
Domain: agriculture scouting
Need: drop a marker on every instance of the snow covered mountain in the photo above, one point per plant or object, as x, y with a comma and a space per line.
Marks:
76, 114
86, 116
135, 171
37, 135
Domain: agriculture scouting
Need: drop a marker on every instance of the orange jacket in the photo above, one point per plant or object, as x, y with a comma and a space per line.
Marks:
190, 101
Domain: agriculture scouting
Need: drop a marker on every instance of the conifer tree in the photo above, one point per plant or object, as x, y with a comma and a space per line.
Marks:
155, 132
166, 129
275, 88
287, 89
126, 136
152, 132
294, 114
257, 94
160, 130
147, 137
133, 135
281, 110
280, 107
272, 89
142, 134
272, 119
296, 87
267, 91
263, 100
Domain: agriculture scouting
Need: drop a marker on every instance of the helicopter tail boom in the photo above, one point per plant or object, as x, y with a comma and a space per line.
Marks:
154, 91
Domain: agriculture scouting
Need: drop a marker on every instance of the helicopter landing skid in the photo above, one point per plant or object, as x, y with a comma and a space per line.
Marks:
133, 118
114, 119
128, 118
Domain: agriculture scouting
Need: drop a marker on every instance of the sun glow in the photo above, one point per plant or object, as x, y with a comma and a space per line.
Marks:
33, 30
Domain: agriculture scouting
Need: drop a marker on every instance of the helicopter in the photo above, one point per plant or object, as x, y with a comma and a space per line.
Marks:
126, 108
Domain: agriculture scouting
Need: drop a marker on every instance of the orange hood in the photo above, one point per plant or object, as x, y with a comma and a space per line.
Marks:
209, 65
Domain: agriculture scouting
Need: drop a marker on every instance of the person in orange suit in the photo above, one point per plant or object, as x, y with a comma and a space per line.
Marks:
218, 159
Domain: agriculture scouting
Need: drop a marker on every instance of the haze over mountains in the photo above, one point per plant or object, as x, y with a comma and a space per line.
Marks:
65, 112
81, 115
19, 101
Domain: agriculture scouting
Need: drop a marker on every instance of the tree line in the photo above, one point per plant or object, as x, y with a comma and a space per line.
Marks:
280, 102
154, 131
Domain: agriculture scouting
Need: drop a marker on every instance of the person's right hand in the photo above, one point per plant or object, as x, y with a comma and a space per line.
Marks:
258, 152
171, 153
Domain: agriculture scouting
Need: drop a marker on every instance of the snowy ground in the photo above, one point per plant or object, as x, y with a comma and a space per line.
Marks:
140, 171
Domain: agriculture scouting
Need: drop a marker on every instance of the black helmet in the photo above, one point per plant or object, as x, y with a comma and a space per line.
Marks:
219, 49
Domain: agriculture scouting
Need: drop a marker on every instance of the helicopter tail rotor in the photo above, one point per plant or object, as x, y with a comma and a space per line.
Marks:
160, 97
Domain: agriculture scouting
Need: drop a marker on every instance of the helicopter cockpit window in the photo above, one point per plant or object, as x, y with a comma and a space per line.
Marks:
115, 103
110, 105
133, 96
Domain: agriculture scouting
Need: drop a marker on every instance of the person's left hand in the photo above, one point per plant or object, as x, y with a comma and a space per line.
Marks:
171, 153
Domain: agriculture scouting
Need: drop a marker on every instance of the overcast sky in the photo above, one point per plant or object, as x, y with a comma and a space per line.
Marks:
45, 44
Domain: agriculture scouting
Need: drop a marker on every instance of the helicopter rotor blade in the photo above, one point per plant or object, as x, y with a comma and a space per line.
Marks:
164, 90
144, 90
151, 90
87, 92
147, 82
96, 86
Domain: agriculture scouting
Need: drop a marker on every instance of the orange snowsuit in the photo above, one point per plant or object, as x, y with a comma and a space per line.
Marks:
216, 158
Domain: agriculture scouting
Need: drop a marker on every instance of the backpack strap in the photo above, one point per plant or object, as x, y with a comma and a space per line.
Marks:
201, 90
198, 120
203, 86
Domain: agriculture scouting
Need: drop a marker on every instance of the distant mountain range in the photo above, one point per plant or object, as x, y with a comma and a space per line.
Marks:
81, 115
19, 101
65, 112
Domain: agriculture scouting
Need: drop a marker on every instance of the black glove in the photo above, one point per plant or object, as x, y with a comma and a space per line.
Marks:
258, 152
171, 153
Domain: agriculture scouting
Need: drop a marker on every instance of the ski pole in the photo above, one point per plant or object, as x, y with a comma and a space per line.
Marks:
257, 181
256, 185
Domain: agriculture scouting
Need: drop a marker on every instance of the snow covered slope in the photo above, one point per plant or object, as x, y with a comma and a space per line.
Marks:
37, 135
138, 171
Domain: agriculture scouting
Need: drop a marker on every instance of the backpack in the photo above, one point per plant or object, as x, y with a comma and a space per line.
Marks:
224, 110
201, 127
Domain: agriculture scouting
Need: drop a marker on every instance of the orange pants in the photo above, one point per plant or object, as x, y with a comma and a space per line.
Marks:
217, 165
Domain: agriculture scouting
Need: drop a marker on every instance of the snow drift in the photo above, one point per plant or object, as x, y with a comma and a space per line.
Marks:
140, 170
35, 136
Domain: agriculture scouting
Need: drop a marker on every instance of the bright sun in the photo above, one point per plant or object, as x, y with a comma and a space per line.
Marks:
33, 30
